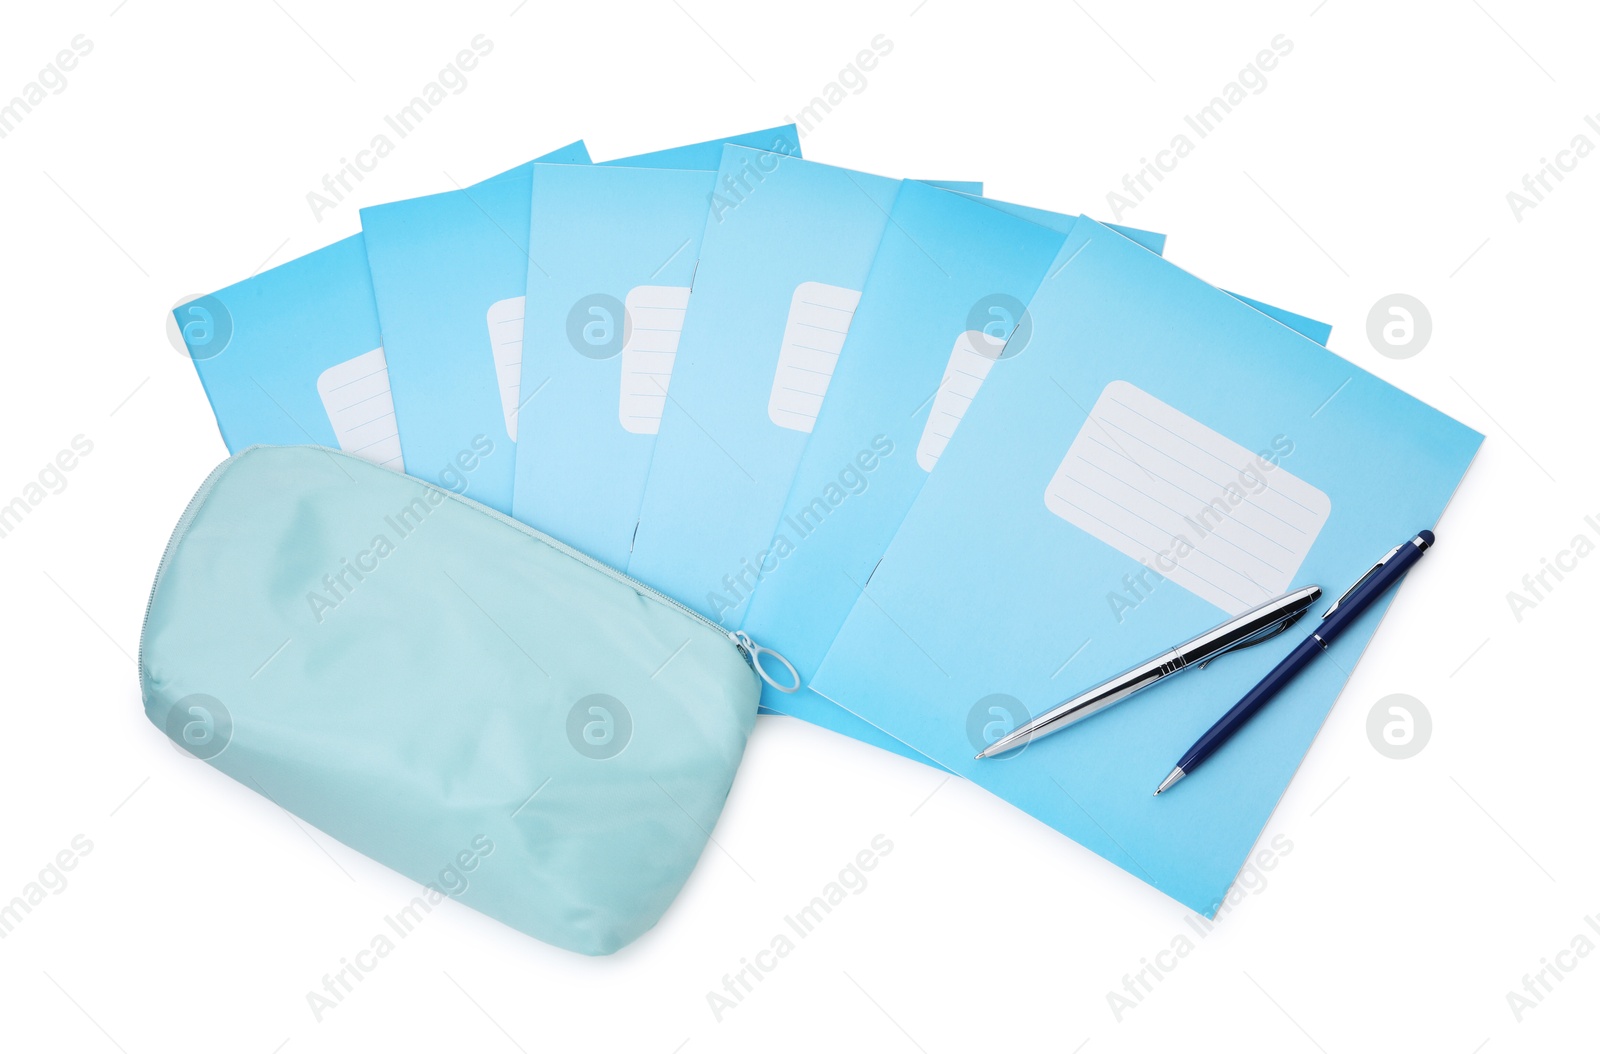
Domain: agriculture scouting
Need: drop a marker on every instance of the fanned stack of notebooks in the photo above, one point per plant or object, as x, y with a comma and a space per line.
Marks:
955, 458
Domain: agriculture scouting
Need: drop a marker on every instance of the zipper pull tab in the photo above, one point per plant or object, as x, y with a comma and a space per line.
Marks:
754, 651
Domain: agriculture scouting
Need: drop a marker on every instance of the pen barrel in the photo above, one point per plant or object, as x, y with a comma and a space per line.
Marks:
1105, 694
1253, 700
1346, 610
1362, 597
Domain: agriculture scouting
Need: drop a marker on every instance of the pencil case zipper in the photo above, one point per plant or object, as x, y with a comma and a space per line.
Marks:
741, 640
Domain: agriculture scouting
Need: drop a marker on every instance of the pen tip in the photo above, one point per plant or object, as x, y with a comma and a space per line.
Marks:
1172, 777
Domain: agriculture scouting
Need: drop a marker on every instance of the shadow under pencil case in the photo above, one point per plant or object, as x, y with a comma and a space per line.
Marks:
448, 691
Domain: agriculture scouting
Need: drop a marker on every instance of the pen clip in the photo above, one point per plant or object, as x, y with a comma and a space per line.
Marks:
1266, 633
1370, 572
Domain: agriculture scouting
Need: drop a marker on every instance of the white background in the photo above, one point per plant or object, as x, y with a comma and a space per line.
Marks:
1377, 160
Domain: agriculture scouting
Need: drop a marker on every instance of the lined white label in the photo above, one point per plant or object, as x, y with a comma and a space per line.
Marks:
819, 318
1228, 524
355, 395
505, 344
971, 359
655, 316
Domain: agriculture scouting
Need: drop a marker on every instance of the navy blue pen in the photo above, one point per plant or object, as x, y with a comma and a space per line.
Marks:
1372, 585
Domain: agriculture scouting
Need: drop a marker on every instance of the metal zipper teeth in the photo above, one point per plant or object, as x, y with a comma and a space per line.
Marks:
184, 521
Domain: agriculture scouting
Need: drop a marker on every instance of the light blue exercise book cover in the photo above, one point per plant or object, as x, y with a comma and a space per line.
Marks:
785, 250
619, 247
783, 258
293, 355
449, 272
1158, 457
945, 295
432, 260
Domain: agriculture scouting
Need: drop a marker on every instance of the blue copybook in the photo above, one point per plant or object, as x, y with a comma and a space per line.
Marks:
785, 250
619, 248
293, 355
1158, 457
945, 294
449, 272
783, 258
440, 264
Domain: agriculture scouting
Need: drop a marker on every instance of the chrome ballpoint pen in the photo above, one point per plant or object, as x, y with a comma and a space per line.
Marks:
1252, 627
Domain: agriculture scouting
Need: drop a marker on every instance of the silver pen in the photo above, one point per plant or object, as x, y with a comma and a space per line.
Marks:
1252, 627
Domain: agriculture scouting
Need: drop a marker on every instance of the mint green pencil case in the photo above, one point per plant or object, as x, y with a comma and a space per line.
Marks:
448, 691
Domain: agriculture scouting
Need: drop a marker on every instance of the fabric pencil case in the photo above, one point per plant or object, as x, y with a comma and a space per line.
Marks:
448, 691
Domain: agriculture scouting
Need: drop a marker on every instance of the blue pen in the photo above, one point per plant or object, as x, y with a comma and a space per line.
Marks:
1372, 585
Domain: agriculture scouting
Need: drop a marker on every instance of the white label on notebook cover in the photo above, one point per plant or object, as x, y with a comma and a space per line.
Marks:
819, 318
355, 394
655, 316
971, 359
1230, 525
505, 343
